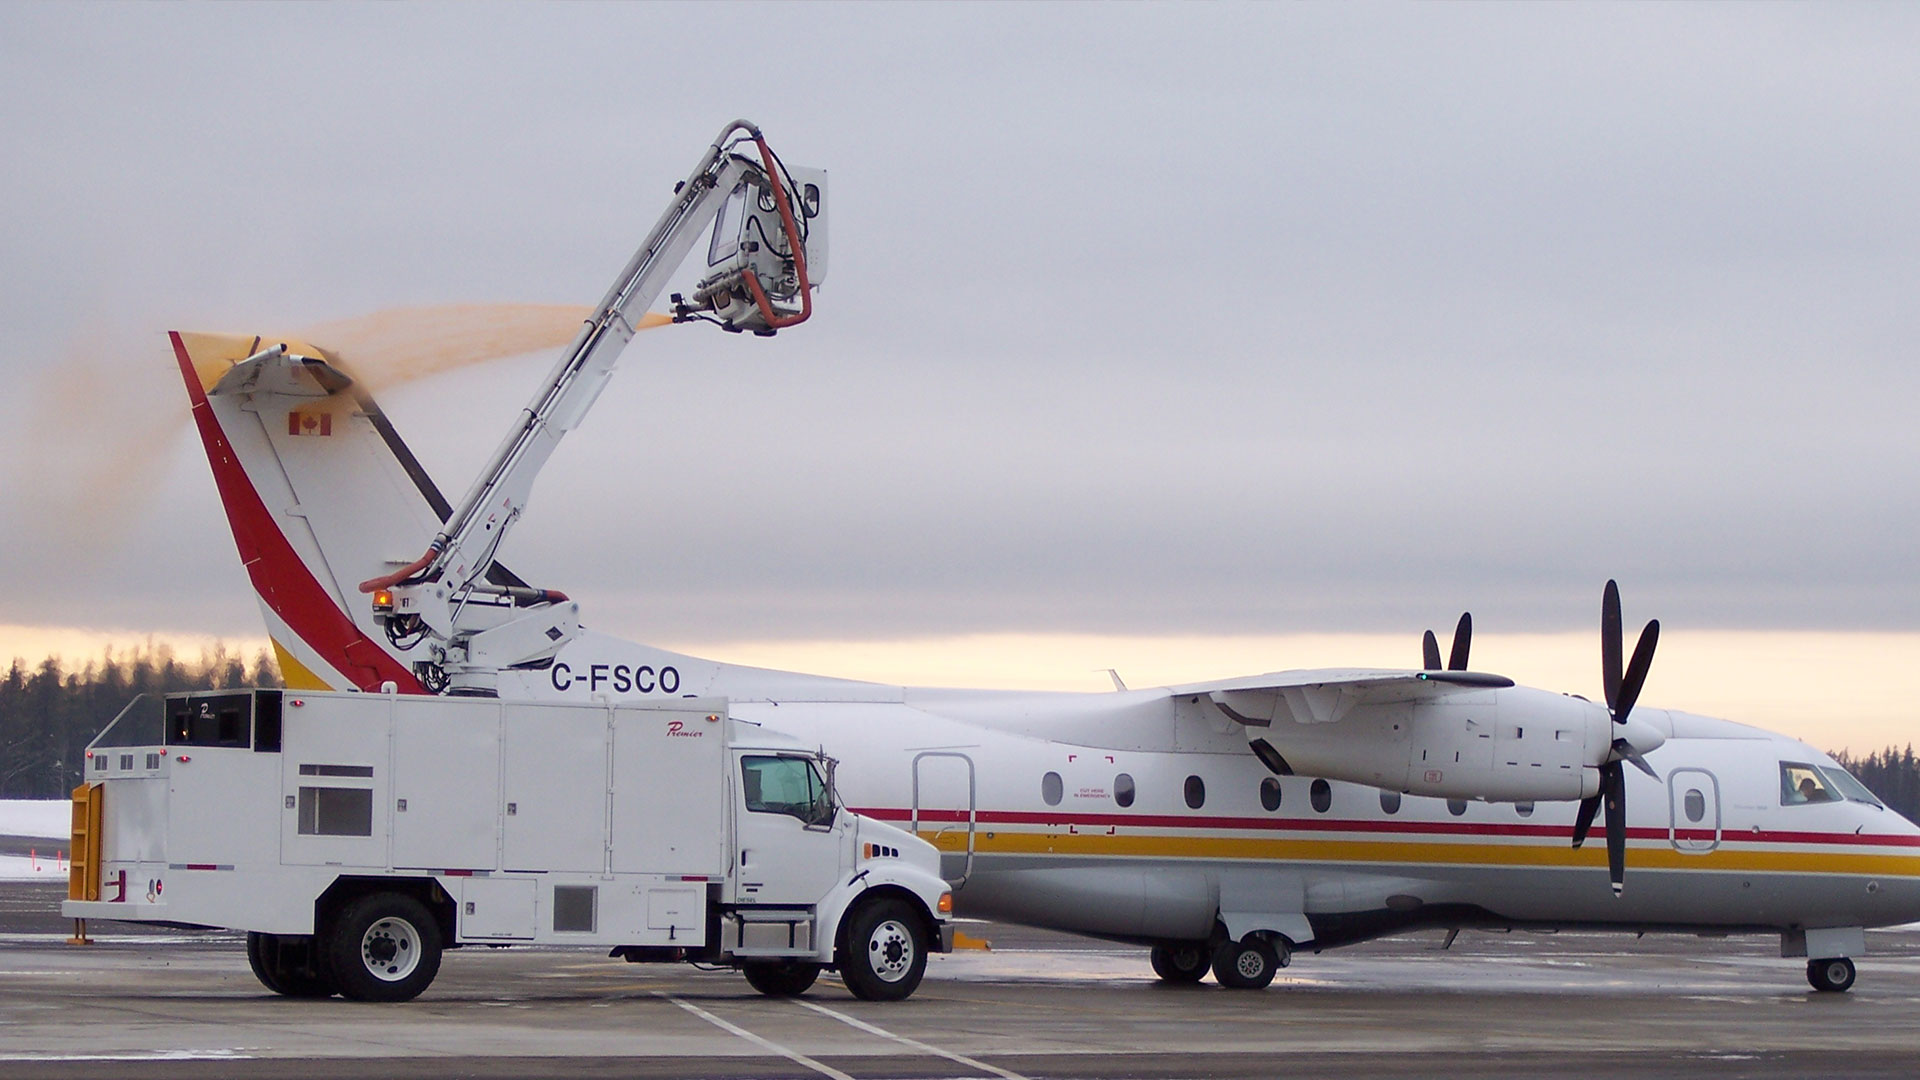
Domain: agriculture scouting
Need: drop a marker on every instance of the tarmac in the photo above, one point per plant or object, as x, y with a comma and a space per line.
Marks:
156, 1003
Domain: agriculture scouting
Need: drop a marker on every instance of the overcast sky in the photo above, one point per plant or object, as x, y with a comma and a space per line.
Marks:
1141, 319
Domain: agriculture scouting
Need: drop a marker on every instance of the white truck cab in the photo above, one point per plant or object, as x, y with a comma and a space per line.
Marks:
356, 836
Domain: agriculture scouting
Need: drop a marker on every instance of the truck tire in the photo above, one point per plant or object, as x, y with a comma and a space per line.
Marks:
383, 947
780, 978
886, 950
267, 956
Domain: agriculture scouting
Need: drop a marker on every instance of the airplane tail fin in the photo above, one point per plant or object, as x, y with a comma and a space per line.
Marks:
320, 493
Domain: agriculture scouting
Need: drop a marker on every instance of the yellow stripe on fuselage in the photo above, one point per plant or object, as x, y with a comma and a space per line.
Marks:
1404, 852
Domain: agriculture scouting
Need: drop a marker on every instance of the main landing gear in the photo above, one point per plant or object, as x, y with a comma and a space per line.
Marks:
1832, 976
1247, 964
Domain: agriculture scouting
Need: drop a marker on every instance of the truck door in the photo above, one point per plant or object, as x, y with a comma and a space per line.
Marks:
944, 809
787, 834
1693, 806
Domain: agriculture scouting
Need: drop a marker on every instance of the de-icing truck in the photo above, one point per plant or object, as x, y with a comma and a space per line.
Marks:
356, 836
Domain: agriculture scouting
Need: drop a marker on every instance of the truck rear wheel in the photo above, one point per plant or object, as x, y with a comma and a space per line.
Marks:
383, 947
780, 978
287, 968
886, 951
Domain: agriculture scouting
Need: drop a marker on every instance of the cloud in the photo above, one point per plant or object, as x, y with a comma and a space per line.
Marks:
1240, 320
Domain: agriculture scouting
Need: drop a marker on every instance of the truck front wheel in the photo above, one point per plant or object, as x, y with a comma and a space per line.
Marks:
286, 966
780, 978
383, 947
886, 951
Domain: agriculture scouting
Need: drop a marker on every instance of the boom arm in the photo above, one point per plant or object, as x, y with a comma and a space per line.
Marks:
463, 551
457, 560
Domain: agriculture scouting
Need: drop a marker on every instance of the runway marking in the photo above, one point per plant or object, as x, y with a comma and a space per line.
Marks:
916, 1044
791, 1055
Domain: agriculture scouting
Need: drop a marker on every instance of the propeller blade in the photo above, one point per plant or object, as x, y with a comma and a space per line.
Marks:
1610, 643
1637, 671
1614, 787
1626, 751
1430, 651
1584, 822
1462, 641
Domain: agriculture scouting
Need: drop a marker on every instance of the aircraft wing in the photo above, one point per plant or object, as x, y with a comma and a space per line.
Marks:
1327, 695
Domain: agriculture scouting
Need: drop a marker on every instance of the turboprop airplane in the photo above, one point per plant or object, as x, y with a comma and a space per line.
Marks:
1224, 824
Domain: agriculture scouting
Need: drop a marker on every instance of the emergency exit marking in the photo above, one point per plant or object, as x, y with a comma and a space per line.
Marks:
512, 809
289, 802
400, 805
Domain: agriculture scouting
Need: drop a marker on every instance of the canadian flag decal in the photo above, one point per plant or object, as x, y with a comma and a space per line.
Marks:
305, 423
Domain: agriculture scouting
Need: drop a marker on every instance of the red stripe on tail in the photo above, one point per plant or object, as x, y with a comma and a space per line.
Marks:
279, 575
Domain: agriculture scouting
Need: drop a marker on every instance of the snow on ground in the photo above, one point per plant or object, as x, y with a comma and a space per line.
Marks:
48, 865
51, 818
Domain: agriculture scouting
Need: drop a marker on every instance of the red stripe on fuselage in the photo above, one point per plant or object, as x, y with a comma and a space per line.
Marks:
1420, 828
279, 575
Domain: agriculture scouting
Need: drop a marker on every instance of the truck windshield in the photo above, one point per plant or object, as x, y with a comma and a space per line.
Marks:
785, 785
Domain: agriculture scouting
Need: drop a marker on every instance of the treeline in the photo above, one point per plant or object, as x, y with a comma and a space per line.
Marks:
1893, 774
49, 713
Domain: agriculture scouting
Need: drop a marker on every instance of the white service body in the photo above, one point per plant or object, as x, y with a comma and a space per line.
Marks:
602, 825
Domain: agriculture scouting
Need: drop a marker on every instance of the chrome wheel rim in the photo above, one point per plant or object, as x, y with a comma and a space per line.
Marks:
890, 951
390, 949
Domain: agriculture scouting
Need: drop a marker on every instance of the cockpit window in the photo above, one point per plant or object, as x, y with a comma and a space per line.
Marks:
1847, 785
1801, 783
785, 785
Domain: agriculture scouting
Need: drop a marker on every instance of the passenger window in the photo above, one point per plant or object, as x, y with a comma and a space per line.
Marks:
785, 785
1321, 796
1390, 801
1052, 789
1524, 809
1196, 792
1695, 804
1801, 784
1270, 794
1456, 807
1123, 789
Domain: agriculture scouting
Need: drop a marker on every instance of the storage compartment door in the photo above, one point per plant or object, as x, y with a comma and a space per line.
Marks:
555, 798
333, 781
494, 909
446, 778
669, 809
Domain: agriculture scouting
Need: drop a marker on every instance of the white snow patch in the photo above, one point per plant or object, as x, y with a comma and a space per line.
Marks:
51, 818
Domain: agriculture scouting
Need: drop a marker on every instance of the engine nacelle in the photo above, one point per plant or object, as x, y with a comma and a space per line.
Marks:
1508, 745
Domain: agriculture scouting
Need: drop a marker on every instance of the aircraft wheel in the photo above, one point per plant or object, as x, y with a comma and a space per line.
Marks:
268, 956
780, 978
383, 947
1248, 964
885, 951
1180, 961
1831, 976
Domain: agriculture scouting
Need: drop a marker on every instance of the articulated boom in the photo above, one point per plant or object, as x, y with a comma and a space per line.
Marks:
770, 226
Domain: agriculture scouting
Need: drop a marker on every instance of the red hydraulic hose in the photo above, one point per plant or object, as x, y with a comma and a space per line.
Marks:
775, 322
390, 580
